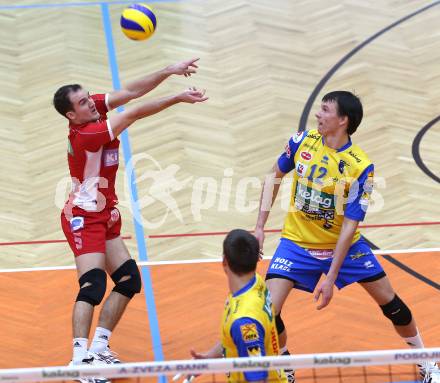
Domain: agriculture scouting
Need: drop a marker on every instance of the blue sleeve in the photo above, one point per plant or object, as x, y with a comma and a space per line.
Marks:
359, 195
248, 336
285, 161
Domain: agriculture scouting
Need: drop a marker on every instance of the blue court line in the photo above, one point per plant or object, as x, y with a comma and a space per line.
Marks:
146, 276
87, 4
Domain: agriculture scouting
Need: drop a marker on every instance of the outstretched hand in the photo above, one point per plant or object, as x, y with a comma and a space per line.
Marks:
187, 68
193, 95
190, 378
198, 355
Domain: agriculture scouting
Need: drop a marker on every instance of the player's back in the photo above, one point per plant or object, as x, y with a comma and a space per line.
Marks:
248, 329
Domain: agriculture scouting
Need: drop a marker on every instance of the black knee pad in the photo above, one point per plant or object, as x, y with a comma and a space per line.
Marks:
95, 282
397, 311
130, 286
279, 323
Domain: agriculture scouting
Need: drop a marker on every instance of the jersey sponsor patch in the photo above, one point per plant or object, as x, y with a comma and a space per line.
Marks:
249, 332
355, 156
321, 253
287, 150
369, 265
69, 148
306, 156
267, 307
297, 137
368, 189
301, 169
76, 223
114, 217
254, 350
357, 255
111, 157
341, 166
274, 340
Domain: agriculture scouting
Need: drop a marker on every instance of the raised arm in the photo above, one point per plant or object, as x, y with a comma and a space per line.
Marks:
122, 121
140, 87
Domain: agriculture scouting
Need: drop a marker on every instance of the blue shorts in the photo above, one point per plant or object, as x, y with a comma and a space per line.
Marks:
295, 263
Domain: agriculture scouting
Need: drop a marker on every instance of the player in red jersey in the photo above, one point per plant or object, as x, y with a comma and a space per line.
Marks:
90, 220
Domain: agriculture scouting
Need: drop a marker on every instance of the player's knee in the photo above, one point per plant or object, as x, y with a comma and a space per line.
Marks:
92, 287
279, 324
127, 279
397, 311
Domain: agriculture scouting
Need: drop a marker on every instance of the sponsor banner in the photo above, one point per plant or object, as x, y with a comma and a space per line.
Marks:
60, 374
412, 355
330, 360
366, 358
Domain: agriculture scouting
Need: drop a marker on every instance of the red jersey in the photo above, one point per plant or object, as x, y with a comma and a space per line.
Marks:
93, 156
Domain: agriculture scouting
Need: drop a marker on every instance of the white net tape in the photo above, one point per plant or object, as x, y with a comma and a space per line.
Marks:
207, 366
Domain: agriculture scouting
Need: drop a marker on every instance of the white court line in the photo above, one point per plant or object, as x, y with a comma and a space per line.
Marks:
211, 260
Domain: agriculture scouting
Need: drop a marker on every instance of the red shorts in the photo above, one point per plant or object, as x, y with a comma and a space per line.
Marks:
87, 232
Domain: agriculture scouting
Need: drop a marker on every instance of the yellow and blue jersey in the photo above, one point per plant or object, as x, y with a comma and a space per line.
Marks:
248, 329
328, 185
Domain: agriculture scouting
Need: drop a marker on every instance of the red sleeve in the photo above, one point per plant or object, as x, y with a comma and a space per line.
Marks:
100, 103
94, 135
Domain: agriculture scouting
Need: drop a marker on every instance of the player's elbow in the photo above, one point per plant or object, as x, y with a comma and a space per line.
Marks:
132, 94
277, 171
121, 122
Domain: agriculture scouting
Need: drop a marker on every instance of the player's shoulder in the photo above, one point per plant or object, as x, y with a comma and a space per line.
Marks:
312, 134
301, 136
356, 159
358, 155
98, 96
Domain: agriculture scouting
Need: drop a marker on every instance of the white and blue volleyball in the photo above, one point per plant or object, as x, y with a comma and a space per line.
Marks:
138, 22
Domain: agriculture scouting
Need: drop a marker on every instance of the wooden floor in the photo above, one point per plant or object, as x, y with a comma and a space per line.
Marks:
260, 60
36, 306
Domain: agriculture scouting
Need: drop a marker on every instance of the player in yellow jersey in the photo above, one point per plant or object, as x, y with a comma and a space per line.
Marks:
332, 183
248, 322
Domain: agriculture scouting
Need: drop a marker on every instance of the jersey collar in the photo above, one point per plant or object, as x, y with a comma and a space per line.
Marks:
246, 287
342, 148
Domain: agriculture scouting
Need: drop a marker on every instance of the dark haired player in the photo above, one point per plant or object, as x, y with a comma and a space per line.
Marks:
90, 220
332, 183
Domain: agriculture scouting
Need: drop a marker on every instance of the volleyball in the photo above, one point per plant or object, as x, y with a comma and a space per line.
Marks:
138, 22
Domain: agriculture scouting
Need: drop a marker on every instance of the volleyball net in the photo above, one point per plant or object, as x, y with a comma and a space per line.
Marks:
368, 367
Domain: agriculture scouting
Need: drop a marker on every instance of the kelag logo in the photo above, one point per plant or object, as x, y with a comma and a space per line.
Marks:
250, 364
60, 374
332, 360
